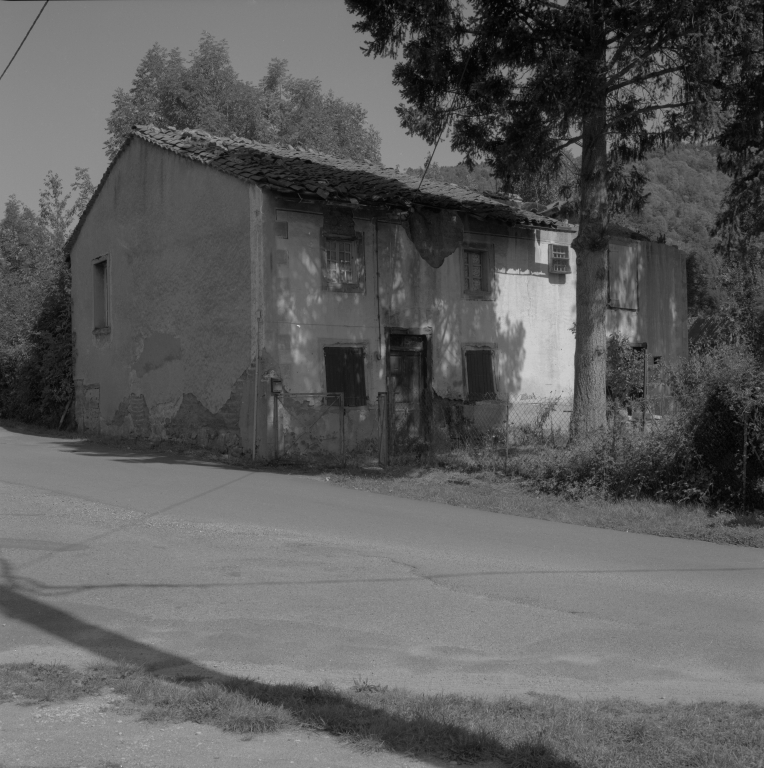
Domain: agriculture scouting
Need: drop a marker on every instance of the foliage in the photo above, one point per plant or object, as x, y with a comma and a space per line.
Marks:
35, 305
206, 92
480, 178
625, 370
696, 455
684, 192
518, 81
741, 222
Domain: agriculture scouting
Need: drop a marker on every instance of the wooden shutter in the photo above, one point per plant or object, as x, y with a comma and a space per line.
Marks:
480, 381
345, 372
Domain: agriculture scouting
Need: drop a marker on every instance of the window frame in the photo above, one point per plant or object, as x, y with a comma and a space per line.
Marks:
560, 261
488, 267
101, 264
490, 349
360, 347
358, 285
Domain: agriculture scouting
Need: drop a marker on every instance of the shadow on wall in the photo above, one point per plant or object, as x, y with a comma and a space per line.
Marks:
331, 710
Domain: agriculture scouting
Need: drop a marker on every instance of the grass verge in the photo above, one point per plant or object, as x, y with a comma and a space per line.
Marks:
486, 490
495, 493
541, 732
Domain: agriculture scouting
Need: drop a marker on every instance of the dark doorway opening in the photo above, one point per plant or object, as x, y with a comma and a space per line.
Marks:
408, 368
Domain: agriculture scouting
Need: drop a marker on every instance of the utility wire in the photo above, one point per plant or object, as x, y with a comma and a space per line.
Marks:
445, 121
25, 38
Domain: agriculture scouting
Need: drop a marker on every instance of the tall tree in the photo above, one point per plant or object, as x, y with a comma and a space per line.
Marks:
206, 92
35, 311
518, 81
741, 221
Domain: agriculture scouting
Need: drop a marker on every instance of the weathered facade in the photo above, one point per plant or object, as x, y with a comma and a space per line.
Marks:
208, 274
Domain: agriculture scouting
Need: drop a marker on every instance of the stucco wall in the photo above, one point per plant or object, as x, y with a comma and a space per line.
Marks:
527, 322
176, 361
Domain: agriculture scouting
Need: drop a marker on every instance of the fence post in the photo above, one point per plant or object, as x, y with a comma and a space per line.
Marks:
276, 426
342, 427
506, 437
745, 457
384, 447
644, 392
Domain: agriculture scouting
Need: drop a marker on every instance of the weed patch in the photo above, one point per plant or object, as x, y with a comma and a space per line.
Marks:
526, 498
537, 732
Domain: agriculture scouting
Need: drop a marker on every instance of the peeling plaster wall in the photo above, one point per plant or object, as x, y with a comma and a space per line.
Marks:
527, 322
176, 360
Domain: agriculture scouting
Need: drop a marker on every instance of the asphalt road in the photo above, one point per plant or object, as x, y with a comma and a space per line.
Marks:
152, 559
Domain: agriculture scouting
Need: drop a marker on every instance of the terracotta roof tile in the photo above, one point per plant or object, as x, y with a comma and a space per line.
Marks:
308, 174
332, 178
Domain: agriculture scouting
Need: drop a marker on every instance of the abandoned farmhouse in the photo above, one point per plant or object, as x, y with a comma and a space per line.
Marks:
225, 291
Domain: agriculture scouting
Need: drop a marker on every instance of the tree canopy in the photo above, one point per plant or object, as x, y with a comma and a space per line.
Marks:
206, 92
518, 81
35, 310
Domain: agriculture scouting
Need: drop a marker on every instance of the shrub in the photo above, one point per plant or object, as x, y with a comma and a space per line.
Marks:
36, 374
697, 455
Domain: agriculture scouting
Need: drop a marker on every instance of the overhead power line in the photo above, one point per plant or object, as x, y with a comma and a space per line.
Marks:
25, 38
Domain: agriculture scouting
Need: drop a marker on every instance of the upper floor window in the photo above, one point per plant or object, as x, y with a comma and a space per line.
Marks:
559, 259
478, 266
343, 263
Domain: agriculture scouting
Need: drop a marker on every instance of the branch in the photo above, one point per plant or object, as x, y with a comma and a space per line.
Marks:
653, 108
574, 140
642, 78
638, 55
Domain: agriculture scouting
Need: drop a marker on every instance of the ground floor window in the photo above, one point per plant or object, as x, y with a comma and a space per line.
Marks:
346, 373
481, 383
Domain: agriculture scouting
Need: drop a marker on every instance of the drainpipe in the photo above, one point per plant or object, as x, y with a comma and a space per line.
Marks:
256, 387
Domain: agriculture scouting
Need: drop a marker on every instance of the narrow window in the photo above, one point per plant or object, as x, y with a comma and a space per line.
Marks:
559, 259
345, 373
478, 271
481, 384
101, 294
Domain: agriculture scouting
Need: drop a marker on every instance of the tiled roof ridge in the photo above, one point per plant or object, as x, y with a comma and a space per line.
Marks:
202, 146
315, 176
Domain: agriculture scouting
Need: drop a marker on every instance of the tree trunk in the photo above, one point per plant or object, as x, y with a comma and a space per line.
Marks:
589, 403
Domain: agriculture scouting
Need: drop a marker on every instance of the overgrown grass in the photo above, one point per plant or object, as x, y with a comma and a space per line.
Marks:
539, 732
497, 493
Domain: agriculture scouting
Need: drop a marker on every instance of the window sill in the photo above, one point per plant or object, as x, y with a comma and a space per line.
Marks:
104, 331
482, 296
343, 288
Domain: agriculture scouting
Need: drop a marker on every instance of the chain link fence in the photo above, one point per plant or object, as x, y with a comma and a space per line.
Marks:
656, 444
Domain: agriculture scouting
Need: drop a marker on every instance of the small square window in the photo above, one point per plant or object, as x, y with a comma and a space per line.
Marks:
346, 373
481, 383
343, 263
478, 271
100, 294
559, 259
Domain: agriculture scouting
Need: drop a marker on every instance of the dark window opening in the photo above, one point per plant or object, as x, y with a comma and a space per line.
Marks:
100, 295
480, 380
345, 373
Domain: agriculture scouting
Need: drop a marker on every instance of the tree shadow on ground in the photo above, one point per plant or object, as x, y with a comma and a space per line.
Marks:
357, 716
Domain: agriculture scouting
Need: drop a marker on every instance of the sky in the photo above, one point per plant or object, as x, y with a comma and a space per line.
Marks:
57, 94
